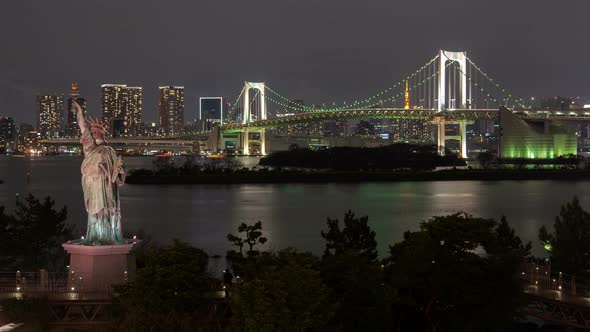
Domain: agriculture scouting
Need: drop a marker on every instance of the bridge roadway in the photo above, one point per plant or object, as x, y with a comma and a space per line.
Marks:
400, 113
183, 141
449, 116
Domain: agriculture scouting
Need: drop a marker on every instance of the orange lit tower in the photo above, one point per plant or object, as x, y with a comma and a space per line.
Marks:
407, 100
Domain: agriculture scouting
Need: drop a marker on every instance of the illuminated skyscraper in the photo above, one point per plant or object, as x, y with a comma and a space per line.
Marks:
122, 108
7, 135
112, 104
133, 111
72, 129
171, 109
49, 114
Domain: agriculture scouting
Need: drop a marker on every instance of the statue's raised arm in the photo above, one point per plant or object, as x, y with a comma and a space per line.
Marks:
79, 116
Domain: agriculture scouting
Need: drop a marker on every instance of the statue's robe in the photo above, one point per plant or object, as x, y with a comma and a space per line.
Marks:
100, 182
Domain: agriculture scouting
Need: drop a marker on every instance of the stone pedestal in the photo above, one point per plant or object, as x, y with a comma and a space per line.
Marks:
97, 268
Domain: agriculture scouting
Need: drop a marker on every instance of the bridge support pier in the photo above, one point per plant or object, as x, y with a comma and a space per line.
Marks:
263, 142
463, 134
442, 135
245, 142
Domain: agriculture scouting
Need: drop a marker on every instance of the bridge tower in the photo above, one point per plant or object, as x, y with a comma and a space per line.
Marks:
247, 117
461, 59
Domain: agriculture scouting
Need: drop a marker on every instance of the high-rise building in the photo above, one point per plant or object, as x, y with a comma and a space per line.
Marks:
72, 129
122, 106
171, 109
112, 104
133, 111
211, 111
7, 134
27, 137
49, 114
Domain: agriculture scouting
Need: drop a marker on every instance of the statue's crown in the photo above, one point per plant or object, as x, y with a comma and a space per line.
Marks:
96, 124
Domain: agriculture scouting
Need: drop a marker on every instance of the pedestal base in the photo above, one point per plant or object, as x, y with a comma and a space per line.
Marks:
97, 268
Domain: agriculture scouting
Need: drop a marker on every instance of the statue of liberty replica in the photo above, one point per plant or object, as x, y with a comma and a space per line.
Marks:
102, 175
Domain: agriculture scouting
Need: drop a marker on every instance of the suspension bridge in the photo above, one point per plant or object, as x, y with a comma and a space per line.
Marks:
449, 89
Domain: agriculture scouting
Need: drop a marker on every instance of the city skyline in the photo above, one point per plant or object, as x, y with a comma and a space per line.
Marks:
324, 60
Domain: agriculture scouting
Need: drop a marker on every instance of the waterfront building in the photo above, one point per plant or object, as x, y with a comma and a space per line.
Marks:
535, 139
171, 109
7, 135
50, 108
211, 111
364, 128
151, 129
133, 111
122, 106
27, 138
113, 100
71, 128
410, 130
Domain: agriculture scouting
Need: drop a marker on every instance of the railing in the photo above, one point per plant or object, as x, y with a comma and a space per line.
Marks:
70, 285
542, 277
43, 283
32, 282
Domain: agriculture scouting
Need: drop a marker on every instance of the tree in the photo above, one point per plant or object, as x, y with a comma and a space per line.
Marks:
281, 291
356, 238
569, 243
357, 288
7, 241
163, 165
485, 158
349, 268
252, 237
506, 242
166, 291
33, 235
444, 284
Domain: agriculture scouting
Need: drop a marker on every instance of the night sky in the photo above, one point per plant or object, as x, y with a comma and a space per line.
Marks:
316, 50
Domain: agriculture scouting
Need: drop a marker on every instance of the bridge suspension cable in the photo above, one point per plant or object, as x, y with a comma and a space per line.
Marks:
519, 101
400, 94
357, 103
234, 107
479, 85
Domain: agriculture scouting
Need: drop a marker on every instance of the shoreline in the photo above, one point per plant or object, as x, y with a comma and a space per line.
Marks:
357, 177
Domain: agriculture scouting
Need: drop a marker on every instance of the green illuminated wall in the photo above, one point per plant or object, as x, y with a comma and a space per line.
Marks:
533, 139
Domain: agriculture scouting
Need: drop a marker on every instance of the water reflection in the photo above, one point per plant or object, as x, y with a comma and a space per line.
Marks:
292, 214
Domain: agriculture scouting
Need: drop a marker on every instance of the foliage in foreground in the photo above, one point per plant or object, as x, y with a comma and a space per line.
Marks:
31, 238
569, 242
457, 272
282, 292
449, 276
167, 291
